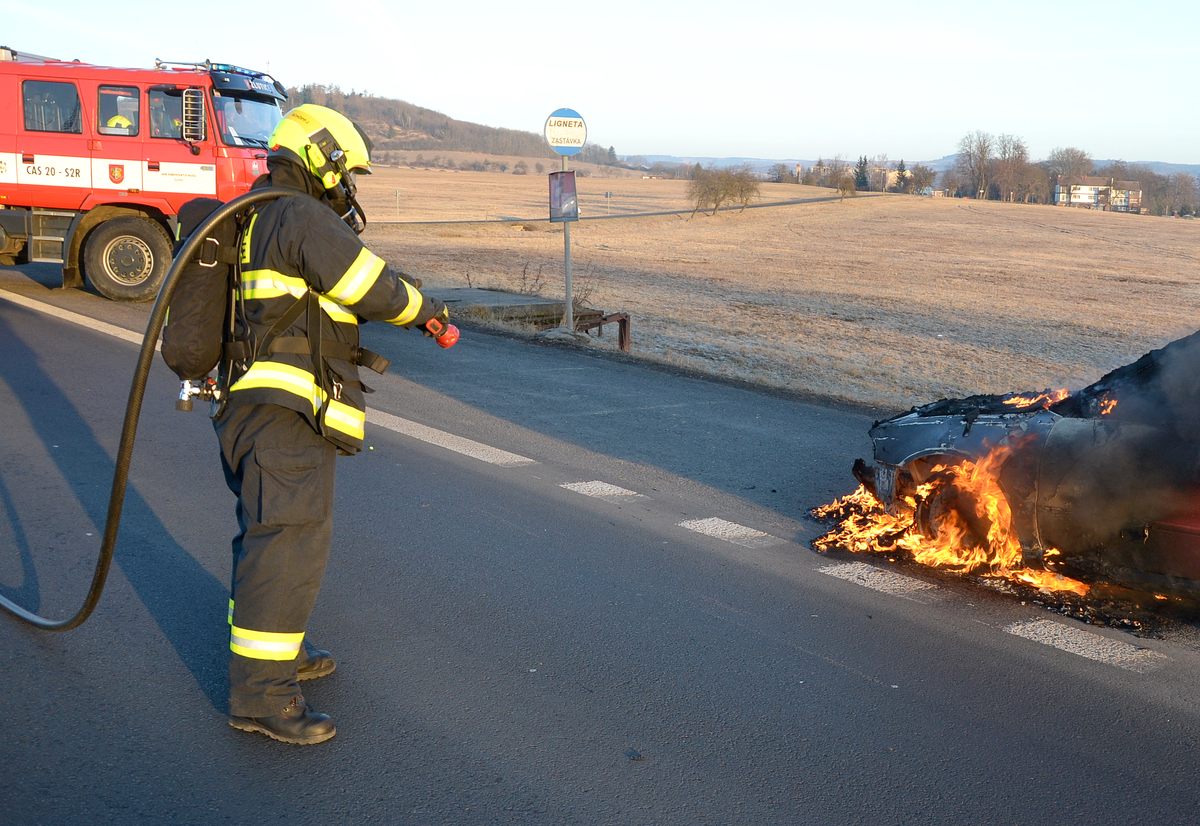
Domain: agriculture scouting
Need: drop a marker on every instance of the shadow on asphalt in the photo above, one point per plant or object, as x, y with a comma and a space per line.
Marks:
176, 590
27, 594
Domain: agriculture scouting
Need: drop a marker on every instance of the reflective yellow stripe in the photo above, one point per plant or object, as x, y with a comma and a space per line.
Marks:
415, 300
265, 645
260, 284
277, 376
231, 610
246, 239
345, 418
336, 312
274, 375
271, 284
359, 277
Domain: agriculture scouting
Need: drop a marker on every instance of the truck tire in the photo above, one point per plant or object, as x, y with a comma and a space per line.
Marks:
125, 259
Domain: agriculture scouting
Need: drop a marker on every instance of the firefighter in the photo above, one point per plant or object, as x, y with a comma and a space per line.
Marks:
296, 402
119, 122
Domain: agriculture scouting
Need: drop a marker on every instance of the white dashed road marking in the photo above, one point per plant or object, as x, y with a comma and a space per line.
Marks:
601, 490
440, 438
75, 318
887, 582
730, 532
1086, 644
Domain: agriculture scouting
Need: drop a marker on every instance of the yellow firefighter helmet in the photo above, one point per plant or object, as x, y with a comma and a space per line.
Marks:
325, 142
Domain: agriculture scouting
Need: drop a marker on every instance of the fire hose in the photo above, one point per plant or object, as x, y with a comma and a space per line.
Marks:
446, 335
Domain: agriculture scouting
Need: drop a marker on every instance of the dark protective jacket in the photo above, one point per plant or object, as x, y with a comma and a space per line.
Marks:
303, 268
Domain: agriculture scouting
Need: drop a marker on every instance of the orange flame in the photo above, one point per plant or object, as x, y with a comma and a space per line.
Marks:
967, 513
1044, 399
1107, 405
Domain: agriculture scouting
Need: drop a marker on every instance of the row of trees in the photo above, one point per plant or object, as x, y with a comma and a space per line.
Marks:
999, 168
875, 174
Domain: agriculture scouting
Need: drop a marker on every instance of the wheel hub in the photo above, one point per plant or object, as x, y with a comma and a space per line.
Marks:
128, 259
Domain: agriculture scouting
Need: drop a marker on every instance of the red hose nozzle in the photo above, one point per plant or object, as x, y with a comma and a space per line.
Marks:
446, 335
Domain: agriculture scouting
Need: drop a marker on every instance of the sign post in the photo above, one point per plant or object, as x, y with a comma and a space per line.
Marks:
565, 133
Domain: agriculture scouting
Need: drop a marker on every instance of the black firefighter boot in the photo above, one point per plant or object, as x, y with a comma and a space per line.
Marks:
296, 723
316, 663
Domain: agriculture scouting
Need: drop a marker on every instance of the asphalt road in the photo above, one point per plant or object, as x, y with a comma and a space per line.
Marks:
515, 651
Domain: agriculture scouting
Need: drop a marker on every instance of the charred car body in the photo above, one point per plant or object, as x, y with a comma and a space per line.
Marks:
1102, 483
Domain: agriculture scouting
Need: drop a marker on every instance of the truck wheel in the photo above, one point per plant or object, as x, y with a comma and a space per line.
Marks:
125, 259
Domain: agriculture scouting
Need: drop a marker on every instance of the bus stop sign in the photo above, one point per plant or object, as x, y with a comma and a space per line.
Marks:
566, 131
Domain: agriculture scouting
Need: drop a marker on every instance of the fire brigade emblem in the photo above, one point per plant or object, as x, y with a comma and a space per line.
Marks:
116, 172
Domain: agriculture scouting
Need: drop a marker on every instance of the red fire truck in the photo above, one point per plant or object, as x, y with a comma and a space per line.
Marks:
95, 161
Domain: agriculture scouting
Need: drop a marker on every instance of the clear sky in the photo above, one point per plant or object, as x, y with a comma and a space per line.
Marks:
750, 78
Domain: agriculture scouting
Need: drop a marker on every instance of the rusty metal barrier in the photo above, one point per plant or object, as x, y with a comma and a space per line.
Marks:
583, 323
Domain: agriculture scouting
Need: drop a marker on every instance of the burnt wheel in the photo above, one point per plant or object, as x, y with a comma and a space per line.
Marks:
125, 259
946, 507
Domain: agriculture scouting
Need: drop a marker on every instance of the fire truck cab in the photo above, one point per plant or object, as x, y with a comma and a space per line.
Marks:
96, 161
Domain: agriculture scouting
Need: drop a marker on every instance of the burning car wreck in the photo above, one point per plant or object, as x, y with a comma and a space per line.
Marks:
1059, 490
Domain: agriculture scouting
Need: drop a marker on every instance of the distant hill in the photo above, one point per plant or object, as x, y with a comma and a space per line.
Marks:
1158, 167
396, 125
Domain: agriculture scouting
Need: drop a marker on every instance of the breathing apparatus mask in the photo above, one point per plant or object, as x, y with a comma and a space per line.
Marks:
342, 196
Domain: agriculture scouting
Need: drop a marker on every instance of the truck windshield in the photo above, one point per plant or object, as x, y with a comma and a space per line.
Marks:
245, 121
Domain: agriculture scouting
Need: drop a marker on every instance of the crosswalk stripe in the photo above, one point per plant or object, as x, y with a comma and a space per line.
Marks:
600, 490
1089, 645
877, 579
730, 532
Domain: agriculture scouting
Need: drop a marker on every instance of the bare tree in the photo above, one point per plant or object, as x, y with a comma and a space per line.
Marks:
812, 175
710, 188
1182, 194
1012, 157
953, 181
741, 185
836, 169
921, 177
974, 161
1068, 165
781, 173
846, 185
704, 191
1034, 185
879, 172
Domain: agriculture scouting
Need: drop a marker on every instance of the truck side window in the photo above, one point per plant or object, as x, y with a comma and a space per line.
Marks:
117, 110
51, 106
166, 113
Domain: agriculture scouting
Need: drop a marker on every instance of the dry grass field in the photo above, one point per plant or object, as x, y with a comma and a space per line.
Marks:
886, 301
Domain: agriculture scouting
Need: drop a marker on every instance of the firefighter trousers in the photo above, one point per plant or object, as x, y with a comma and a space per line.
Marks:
282, 472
